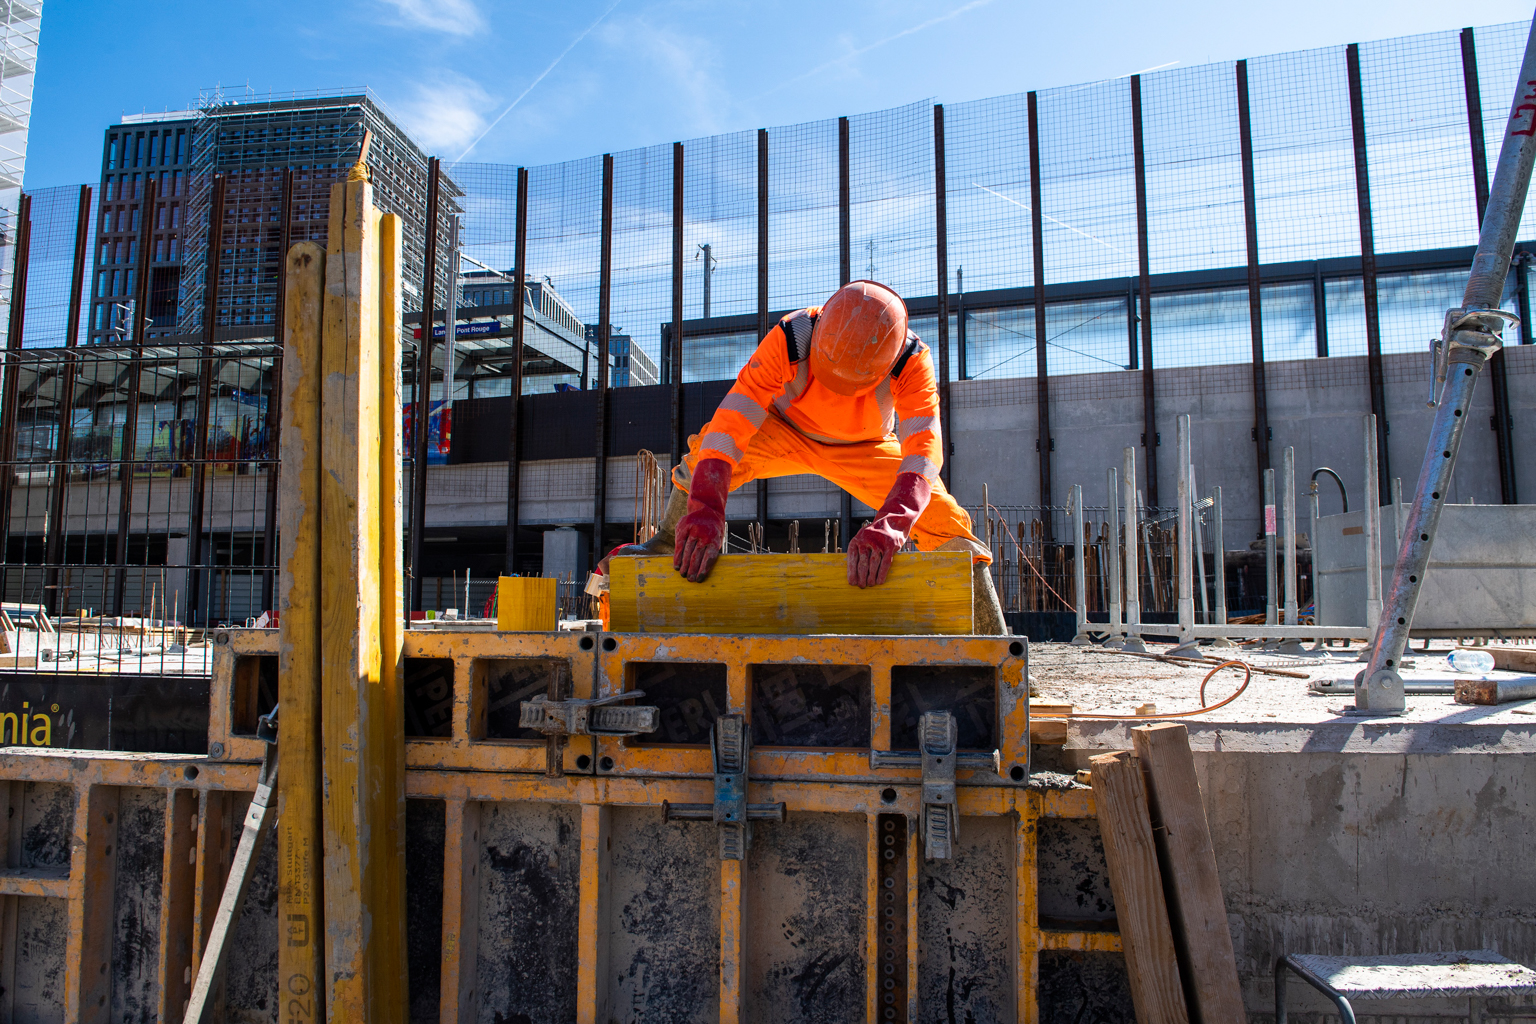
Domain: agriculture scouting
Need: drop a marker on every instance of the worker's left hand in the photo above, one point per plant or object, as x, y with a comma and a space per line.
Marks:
874, 547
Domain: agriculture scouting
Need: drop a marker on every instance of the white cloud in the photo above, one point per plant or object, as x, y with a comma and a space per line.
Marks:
682, 66
444, 113
455, 17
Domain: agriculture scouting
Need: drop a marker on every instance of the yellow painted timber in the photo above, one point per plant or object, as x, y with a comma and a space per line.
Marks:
300, 954
592, 925
525, 604
362, 729
925, 593
733, 966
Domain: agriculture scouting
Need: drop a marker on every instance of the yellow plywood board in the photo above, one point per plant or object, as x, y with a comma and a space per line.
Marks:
526, 603
926, 593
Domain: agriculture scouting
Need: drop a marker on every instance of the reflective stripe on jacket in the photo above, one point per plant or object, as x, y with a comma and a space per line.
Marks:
777, 381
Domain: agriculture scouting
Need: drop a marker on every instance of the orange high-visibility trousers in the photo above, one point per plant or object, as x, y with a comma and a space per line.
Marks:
865, 469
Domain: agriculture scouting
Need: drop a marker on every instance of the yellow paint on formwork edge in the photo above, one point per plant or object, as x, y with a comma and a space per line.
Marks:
925, 593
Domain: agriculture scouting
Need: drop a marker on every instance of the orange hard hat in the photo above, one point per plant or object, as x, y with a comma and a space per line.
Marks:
859, 334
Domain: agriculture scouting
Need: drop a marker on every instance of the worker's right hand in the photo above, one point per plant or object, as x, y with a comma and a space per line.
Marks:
701, 532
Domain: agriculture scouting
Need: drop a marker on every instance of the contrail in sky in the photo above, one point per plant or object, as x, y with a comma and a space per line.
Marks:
876, 45
545, 73
1053, 220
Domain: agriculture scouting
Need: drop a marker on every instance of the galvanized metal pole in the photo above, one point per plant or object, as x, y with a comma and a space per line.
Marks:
1470, 335
1271, 613
1317, 592
1079, 569
1288, 462
1372, 527
1219, 542
1133, 641
1112, 485
1186, 564
1199, 552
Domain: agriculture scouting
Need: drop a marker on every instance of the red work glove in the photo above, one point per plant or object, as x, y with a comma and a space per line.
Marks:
701, 531
873, 548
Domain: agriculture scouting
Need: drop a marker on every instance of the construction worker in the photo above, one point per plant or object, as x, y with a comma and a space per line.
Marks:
844, 391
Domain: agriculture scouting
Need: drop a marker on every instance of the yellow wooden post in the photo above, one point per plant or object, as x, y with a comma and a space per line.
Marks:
300, 921
362, 726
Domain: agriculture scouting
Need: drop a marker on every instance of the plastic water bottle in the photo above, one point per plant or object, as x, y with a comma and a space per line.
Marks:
1472, 663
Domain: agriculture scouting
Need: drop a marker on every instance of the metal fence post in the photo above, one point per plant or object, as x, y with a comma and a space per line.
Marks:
762, 287
1292, 599
1271, 584
421, 385
1042, 367
200, 421
273, 418
1255, 292
1372, 526
1368, 267
1148, 390
1219, 542
1186, 579
135, 372
514, 418
604, 309
10, 383
941, 261
844, 275
54, 551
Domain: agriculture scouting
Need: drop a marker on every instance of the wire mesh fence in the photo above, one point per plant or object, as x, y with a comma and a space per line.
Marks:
102, 460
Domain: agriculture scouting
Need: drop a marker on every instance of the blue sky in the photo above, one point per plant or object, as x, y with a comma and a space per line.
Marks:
588, 76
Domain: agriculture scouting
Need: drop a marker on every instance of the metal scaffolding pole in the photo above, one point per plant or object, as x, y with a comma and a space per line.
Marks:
1470, 335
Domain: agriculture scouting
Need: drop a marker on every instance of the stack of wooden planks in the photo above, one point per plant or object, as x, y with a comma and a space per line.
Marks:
1162, 870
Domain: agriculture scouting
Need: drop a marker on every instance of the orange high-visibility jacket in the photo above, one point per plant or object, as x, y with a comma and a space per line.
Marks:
777, 381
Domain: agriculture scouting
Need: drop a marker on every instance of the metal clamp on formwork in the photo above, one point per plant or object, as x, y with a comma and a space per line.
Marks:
938, 756
730, 743
600, 717
559, 716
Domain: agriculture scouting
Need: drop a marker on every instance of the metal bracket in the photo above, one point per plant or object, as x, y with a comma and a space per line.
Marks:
730, 742
600, 717
938, 737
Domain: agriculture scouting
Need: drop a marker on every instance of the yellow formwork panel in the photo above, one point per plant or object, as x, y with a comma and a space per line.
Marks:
583, 876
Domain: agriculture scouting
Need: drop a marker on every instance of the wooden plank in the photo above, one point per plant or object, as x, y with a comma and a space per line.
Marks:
1026, 888
361, 714
1119, 793
92, 878
526, 603
593, 925
927, 593
1196, 910
461, 913
301, 922
215, 850
1512, 659
178, 873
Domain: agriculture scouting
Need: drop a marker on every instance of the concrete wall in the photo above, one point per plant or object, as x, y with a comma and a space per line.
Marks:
1315, 405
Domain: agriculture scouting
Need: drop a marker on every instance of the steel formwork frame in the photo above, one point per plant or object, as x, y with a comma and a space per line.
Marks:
471, 774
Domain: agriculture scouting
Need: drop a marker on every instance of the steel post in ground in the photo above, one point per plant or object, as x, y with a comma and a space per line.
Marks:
1398, 512
1292, 610
1199, 534
1116, 628
1271, 586
1317, 592
1186, 580
1220, 544
1372, 527
1133, 641
1079, 568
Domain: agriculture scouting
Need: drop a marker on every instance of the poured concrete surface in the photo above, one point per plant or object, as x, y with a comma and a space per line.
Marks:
1336, 835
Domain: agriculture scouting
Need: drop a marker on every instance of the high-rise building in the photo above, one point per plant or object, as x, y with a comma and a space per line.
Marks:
20, 23
251, 144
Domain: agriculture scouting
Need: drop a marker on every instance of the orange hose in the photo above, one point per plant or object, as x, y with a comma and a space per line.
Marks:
1202, 709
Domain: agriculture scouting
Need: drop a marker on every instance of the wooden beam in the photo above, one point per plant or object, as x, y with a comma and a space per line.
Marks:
177, 877
593, 926
1119, 795
301, 923
925, 594
92, 879
1199, 916
361, 710
461, 930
